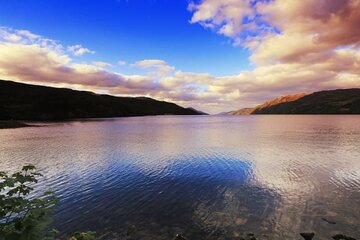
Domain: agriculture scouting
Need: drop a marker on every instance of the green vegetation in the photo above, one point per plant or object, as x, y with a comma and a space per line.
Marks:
23, 217
30, 102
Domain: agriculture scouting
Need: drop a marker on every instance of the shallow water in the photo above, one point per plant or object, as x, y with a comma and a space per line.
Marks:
206, 177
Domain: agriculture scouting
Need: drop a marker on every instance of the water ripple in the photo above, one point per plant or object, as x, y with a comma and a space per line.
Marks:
207, 178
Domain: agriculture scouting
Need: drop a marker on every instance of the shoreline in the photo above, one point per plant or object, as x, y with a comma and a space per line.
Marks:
9, 124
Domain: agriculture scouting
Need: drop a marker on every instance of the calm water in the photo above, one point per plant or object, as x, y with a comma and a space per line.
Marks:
206, 177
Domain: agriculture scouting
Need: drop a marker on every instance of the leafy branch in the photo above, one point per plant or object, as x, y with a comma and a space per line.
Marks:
23, 217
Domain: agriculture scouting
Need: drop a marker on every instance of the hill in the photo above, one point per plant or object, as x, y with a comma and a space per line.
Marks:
340, 101
242, 111
20, 101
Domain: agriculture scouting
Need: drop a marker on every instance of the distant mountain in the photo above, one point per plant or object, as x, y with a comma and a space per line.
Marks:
199, 112
340, 101
281, 99
267, 104
242, 111
20, 101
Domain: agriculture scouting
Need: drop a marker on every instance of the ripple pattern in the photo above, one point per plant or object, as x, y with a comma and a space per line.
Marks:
204, 177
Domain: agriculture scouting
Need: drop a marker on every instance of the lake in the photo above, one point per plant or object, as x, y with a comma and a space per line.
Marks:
205, 177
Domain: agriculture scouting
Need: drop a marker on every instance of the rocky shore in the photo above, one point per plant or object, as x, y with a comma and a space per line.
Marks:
132, 232
306, 236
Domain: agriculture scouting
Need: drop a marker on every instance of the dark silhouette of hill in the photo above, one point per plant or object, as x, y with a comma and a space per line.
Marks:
340, 101
20, 101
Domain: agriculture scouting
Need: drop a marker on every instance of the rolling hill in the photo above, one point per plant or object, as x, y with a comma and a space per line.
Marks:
20, 101
340, 101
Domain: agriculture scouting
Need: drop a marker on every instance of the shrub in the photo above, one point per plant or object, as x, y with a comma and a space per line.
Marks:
23, 217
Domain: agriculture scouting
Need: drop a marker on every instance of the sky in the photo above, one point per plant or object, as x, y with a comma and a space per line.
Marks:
214, 55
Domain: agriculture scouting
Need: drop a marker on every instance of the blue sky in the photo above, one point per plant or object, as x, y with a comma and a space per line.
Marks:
129, 30
214, 55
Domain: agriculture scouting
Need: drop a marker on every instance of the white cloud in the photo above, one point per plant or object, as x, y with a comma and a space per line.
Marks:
149, 63
27, 34
226, 17
158, 68
101, 64
79, 50
27, 38
121, 63
283, 30
34, 58
7, 36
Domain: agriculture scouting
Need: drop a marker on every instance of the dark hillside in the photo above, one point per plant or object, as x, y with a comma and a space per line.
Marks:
20, 101
341, 101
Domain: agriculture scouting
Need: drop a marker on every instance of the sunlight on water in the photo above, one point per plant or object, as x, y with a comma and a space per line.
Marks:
204, 177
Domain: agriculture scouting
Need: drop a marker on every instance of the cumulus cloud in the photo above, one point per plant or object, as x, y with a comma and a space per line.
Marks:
79, 50
27, 34
36, 59
102, 64
25, 37
296, 46
283, 30
11, 35
7, 36
310, 30
32, 63
300, 46
158, 68
226, 17
35, 62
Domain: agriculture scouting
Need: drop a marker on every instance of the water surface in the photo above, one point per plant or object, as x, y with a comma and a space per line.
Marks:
206, 177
